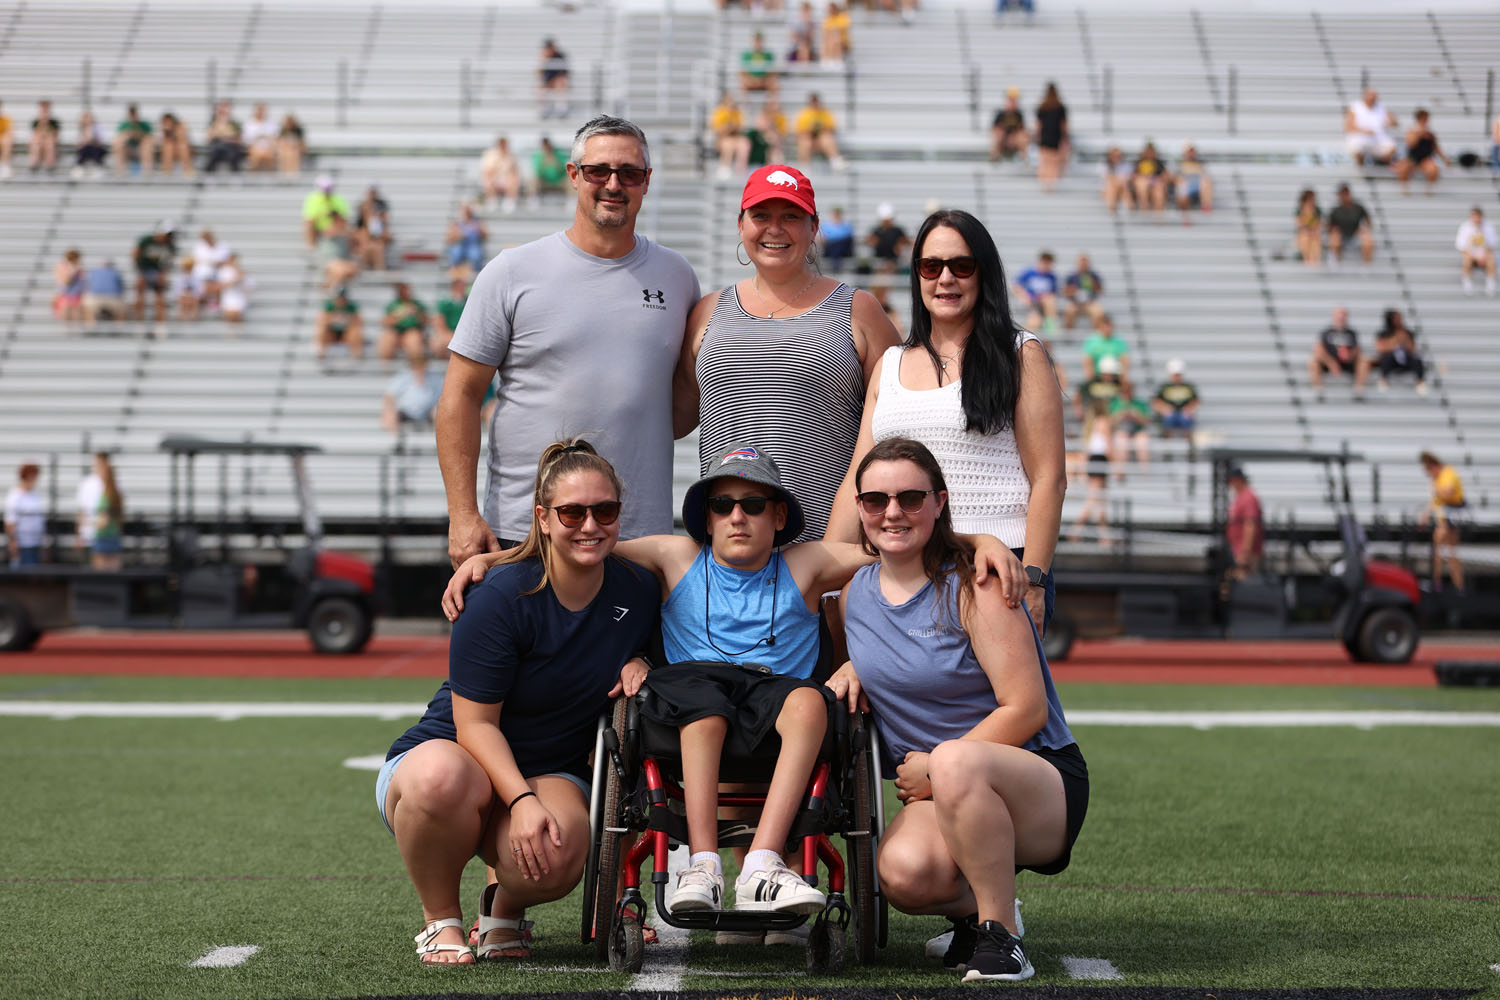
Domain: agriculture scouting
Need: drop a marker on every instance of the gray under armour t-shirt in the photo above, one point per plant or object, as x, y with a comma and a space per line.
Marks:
585, 347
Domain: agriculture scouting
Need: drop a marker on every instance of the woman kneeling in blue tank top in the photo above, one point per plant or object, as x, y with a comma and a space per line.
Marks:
990, 778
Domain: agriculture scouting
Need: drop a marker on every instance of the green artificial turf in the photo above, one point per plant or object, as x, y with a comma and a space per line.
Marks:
1233, 858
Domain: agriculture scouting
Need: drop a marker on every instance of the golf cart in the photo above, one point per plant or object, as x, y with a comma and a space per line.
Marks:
259, 584
1368, 605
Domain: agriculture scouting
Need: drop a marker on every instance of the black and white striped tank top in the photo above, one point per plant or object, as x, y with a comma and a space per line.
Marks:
792, 387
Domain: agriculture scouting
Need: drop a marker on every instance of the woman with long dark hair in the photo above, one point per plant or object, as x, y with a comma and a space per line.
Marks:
1396, 352
980, 393
1051, 137
988, 774
498, 765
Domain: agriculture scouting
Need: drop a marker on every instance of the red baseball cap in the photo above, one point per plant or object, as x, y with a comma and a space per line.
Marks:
777, 180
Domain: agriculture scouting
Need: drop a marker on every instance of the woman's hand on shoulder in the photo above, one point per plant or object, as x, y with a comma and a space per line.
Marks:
469, 572
632, 676
845, 687
996, 565
912, 783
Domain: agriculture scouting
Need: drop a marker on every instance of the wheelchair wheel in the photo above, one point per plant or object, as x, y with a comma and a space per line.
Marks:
627, 944
862, 861
604, 866
826, 945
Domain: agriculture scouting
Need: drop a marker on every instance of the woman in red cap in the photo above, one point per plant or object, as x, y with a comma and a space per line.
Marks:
782, 357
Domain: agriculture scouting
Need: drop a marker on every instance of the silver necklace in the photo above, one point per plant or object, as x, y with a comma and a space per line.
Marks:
791, 302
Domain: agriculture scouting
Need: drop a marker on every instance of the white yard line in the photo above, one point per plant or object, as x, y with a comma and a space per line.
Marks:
373, 762
666, 960
224, 958
1213, 720
1090, 968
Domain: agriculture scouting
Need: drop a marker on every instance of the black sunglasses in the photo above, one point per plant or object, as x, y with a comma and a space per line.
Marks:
931, 267
572, 514
875, 502
725, 505
598, 173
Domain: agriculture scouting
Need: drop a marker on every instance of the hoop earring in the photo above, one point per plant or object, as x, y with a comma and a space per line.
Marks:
737, 248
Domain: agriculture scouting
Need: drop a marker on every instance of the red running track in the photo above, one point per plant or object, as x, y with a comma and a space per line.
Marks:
1116, 661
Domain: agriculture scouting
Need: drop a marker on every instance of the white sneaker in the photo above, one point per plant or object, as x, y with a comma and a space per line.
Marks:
698, 887
738, 937
1489, 287
1468, 286
1383, 384
796, 936
779, 889
722, 174
1421, 388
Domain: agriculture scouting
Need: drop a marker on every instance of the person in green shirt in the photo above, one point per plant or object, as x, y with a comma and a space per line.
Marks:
319, 206
549, 165
133, 142
448, 312
1104, 344
340, 323
404, 326
757, 67
1131, 418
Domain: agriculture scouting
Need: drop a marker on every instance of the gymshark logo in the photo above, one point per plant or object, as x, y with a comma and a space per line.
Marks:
620, 613
784, 179
660, 302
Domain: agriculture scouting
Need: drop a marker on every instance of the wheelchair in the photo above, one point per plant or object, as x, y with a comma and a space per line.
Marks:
635, 813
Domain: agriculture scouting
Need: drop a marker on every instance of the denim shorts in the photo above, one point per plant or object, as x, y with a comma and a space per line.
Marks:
388, 770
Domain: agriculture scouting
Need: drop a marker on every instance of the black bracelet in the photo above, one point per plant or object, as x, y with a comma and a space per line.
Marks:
518, 798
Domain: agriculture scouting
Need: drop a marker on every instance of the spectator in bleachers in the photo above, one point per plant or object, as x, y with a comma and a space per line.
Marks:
449, 311
209, 253
1036, 287
412, 394
1348, 221
727, 123
500, 177
1130, 420
7, 144
154, 256
1494, 144
67, 276
404, 327
372, 231
1150, 180
549, 168
319, 206
1396, 352
816, 131
102, 511
890, 245
465, 249
1445, 513
1176, 402
186, 290
836, 234
90, 150
226, 141
1028, 7
1051, 137
767, 136
1246, 531
1336, 351
339, 322
103, 295
1104, 344
1192, 187
1367, 126
1476, 245
836, 41
260, 140
758, 67
1116, 172
1103, 386
804, 29
335, 251
291, 145
176, 148
1098, 440
46, 133
1008, 136
1082, 289
552, 74
234, 290
1309, 224
25, 518
1422, 154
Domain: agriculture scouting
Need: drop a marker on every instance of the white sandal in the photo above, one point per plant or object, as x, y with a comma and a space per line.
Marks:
426, 943
518, 947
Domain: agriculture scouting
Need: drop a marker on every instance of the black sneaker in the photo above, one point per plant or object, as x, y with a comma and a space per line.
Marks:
962, 945
997, 955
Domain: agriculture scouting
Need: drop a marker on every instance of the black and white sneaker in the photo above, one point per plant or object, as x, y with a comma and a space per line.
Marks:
998, 955
961, 946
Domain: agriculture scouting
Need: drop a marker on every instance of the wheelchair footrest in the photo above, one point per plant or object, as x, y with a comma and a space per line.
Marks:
726, 920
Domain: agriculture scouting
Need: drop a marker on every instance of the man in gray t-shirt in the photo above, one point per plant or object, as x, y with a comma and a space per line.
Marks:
585, 327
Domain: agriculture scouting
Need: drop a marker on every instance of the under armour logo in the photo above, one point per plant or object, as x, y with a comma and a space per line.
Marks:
659, 296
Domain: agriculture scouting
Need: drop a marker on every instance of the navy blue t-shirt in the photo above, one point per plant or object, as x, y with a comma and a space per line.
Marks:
551, 667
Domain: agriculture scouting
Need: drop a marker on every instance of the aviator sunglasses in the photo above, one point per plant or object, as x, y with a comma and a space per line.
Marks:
572, 514
875, 501
753, 505
598, 173
931, 267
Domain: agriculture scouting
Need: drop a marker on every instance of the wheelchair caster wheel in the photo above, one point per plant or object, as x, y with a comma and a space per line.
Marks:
825, 948
627, 945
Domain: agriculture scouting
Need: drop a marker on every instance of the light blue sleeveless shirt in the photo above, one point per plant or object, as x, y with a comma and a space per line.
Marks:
918, 669
732, 609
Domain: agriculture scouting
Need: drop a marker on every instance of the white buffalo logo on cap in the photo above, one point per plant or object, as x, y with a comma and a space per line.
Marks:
782, 178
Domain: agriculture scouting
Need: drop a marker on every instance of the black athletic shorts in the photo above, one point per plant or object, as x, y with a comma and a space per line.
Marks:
1075, 777
748, 697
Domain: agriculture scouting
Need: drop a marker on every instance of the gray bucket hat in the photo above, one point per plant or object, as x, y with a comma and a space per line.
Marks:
746, 463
